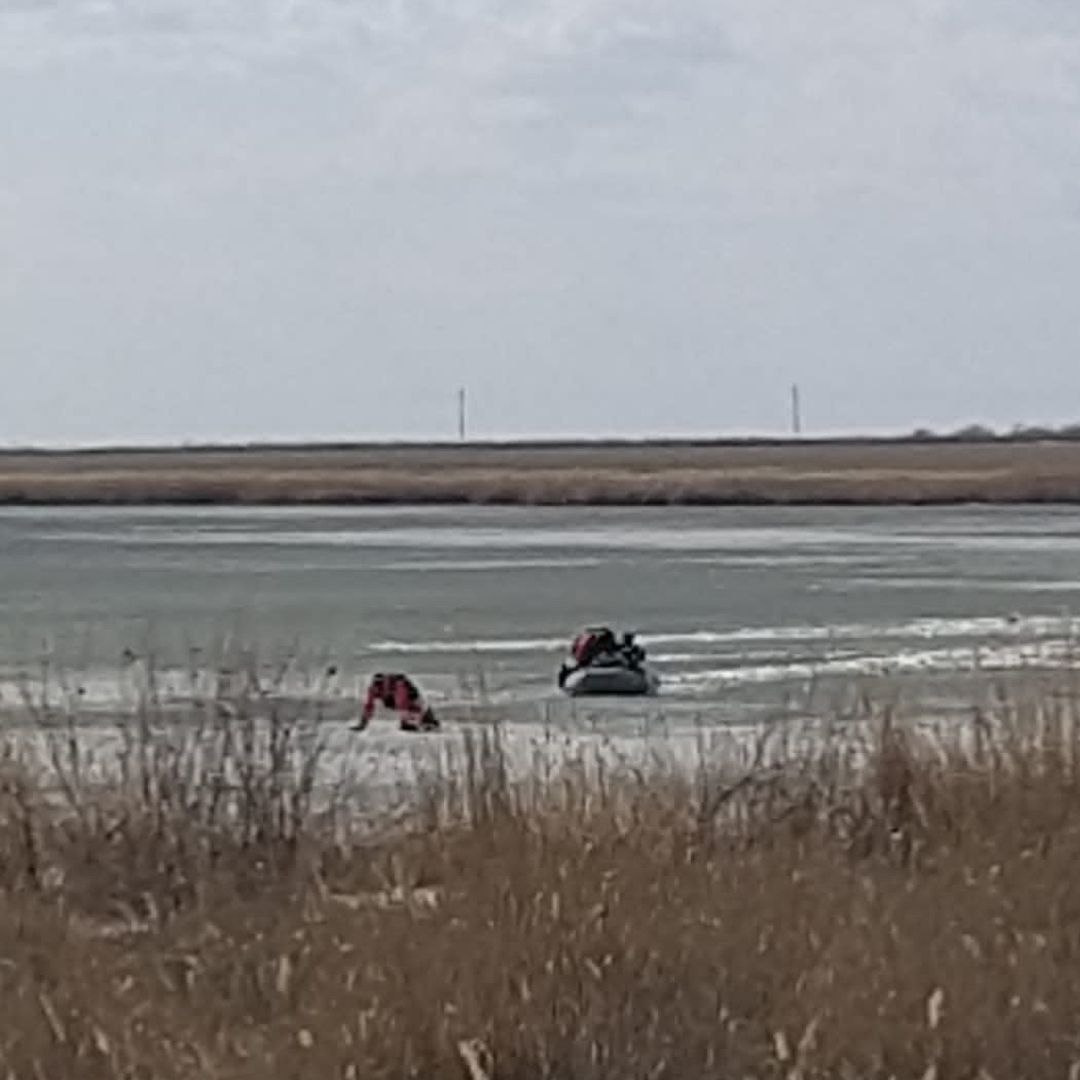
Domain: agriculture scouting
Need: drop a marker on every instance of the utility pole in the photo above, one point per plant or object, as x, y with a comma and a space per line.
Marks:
796, 414
461, 413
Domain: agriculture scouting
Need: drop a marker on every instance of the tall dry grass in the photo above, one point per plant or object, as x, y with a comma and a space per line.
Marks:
894, 903
875, 473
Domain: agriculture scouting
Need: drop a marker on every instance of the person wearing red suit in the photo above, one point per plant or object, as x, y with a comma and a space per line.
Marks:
400, 693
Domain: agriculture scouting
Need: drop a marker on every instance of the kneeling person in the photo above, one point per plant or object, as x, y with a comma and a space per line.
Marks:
397, 692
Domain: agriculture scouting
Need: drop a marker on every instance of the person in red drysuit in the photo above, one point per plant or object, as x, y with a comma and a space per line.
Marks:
397, 692
587, 646
583, 648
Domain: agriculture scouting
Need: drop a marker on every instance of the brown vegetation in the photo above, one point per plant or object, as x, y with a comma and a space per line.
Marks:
631, 474
893, 905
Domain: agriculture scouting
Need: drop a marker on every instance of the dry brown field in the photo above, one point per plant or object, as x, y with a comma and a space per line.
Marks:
601, 474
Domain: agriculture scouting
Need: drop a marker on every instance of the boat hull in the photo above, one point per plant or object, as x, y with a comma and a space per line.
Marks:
613, 681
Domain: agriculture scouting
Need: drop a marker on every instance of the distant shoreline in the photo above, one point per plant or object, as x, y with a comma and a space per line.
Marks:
975, 436
748, 472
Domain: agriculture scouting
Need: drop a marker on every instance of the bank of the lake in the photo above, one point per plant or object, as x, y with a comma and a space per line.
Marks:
854, 472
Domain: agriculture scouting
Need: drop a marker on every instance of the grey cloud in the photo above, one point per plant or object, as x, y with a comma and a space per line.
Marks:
630, 60
245, 217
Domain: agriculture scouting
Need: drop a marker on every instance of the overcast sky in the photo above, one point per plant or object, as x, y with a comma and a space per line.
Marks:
304, 218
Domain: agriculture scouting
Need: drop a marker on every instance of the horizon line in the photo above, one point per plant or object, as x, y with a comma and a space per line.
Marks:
972, 433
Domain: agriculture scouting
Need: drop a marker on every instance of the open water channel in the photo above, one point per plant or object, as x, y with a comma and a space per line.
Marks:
742, 610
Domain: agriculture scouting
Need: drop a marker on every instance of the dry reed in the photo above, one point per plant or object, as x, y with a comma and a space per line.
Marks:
876, 473
893, 904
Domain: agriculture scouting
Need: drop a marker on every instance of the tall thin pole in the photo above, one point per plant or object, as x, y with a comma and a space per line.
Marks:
796, 413
461, 413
